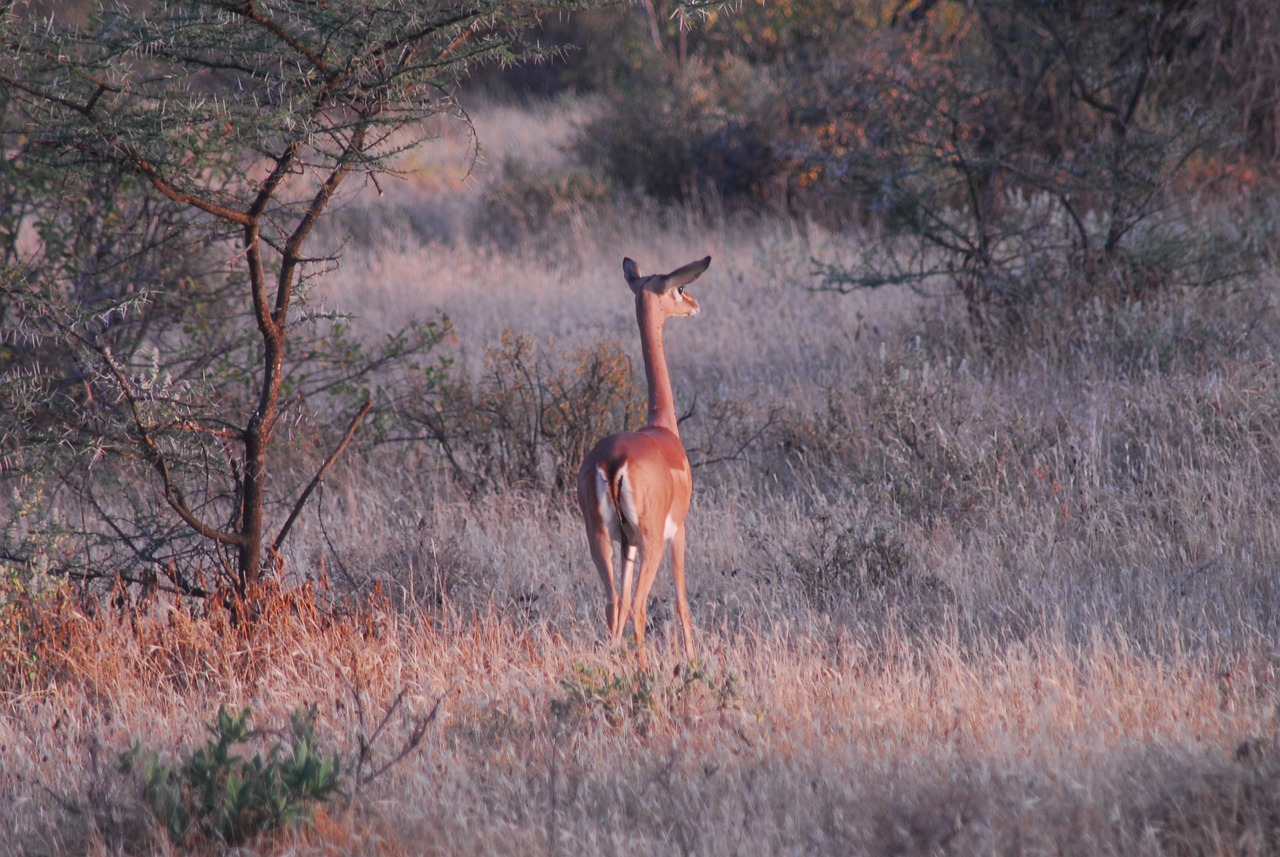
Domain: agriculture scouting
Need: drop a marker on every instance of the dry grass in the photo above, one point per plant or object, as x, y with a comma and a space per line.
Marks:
949, 602
815, 742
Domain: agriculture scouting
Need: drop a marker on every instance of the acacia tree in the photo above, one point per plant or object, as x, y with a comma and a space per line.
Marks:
179, 129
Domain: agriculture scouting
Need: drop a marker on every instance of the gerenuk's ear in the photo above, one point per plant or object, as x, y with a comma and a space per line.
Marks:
632, 273
687, 274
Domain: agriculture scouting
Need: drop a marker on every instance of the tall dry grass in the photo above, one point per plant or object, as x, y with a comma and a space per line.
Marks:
949, 600
817, 742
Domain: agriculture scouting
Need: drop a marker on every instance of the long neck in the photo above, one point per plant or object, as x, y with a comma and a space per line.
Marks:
662, 405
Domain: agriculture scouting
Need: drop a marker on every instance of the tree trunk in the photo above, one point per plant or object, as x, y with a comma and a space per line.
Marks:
257, 432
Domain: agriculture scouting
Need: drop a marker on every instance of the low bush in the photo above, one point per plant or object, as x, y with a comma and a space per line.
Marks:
532, 417
528, 203
220, 796
639, 699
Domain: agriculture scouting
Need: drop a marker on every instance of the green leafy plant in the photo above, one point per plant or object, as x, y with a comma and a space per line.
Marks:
220, 794
596, 689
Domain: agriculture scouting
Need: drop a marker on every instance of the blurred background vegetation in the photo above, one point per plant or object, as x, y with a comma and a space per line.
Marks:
1034, 156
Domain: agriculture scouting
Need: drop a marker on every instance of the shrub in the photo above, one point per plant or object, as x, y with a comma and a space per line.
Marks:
640, 698
850, 560
532, 417
708, 131
527, 202
1032, 159
217, 795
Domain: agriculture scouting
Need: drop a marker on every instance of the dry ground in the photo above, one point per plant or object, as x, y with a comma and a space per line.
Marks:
947, 602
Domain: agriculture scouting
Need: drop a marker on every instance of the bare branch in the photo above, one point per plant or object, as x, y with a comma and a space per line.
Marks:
156, 458
315, 481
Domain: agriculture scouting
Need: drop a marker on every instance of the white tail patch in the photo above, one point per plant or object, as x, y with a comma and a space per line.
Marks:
608, 514
627, 499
